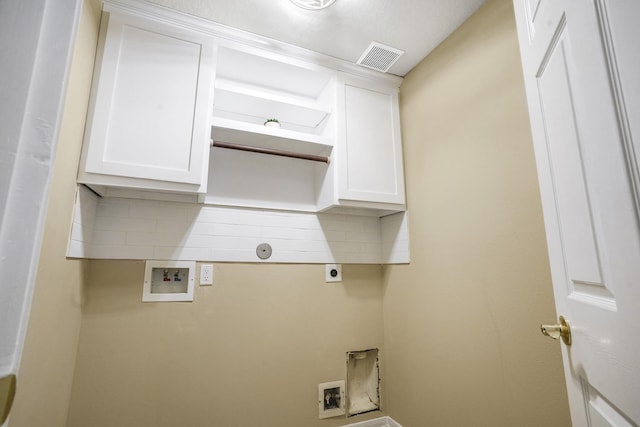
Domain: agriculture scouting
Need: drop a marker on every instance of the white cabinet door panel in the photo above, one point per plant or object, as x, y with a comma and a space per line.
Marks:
370, 167
152, 99
369, 147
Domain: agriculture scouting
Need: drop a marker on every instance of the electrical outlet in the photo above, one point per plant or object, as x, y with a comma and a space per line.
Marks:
333, 273
206, 274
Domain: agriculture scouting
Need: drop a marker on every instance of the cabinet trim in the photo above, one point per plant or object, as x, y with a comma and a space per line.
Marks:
228, 34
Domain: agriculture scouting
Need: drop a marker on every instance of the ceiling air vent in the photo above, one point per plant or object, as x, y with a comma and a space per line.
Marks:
379, 57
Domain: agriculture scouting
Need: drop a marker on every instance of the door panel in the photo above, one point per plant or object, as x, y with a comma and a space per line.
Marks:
601, 413
563, 146
151, 102
583, 138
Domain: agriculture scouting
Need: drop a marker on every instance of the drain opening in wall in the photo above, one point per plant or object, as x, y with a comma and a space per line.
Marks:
363, 381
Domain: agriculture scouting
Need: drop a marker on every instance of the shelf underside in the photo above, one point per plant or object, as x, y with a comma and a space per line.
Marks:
257, 110
235, 132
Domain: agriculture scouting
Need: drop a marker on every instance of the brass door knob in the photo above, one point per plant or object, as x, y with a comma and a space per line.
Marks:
561, 330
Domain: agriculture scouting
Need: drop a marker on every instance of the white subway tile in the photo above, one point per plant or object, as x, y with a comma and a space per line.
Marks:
140, 238
121, 252
235, 243
77, 249
109, 238
85, 208
281, 233
80, 233
205, 228
295, 221
170, 238
297, 234
347, 247
152, 229
168, 226
170, 197
336, 235
308, 234
302, 257
235, 255
297, 245
207, 214
373, 248
182, 253
354, 236
143, 210
198, 241
173, 212
127, 193
118, 208
224, 215
336, 224
124, 224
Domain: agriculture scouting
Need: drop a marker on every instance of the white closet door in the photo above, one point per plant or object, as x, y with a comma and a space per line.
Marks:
581, 67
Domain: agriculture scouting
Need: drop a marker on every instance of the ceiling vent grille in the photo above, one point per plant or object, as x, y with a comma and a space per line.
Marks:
379, 57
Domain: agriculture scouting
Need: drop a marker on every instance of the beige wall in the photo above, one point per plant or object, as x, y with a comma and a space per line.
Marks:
462, 321
46, 370
249, 351
461, 344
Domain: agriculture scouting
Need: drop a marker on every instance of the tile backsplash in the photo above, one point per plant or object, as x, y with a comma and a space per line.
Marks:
122, 228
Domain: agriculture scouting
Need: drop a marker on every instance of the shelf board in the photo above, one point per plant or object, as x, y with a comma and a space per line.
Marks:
271, 94
262, 71
237, 132
257, 106
238, 178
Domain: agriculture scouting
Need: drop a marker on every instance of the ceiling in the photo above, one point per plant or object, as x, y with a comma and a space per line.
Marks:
345, 29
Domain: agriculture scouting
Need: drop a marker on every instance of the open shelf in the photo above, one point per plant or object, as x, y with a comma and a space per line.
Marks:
251, 104
265, 70
239, 178
237, 132
252, 86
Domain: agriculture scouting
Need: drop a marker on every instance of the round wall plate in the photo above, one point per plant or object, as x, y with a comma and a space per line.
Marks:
264, 251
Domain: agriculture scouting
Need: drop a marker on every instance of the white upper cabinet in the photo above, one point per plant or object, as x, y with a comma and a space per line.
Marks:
149, 120
371, 167
353, 121
368, 156
179, 105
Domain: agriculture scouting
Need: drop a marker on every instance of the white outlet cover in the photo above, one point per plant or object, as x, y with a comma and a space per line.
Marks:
333, 273
206, 274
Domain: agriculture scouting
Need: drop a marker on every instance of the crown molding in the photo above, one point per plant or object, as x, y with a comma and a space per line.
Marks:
194, 23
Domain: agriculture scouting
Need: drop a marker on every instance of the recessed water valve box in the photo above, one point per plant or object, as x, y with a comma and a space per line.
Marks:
168, 281
331, 399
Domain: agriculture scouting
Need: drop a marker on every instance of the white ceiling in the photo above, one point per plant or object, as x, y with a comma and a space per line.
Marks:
345, 29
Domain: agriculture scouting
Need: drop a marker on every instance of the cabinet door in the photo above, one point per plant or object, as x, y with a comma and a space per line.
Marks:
370, 150
151, 105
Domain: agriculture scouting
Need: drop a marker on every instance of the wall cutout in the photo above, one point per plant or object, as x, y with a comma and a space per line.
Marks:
363, 382
331, 399
168, 281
